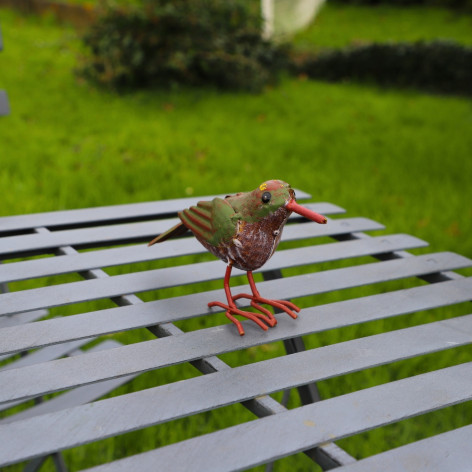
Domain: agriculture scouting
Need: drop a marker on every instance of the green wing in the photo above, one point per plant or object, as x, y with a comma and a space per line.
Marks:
173, 232
214, 222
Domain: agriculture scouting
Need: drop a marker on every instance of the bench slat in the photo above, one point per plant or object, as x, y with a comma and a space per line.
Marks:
74, 397
45, 354
15, 246
115, 213
299, 286
108, 257
267, 439
312, 319
144, 356
184, 274
15, 339
4, 107
174, 248
446, 451
42, 355
88, 423
21, 318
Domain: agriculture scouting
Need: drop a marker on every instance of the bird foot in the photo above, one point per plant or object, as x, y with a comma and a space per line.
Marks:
259, 318
283, 305
262, 319
265, 316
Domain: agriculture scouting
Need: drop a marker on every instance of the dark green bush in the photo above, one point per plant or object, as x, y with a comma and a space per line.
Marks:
437, 66
192, 42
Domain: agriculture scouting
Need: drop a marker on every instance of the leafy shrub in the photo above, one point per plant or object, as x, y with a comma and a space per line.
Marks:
437, 66
195, 42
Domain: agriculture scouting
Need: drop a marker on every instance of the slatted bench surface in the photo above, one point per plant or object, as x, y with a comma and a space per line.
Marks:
4, 107
66, 364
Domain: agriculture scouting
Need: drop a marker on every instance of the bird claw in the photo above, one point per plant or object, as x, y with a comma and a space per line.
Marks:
284, 305
258, 318
265, 316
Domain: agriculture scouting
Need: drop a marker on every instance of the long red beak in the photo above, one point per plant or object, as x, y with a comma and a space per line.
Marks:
292, 205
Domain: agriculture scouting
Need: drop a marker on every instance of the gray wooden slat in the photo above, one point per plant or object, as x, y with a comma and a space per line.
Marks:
76, 292
164, 311
281, 259
54, 265
74, 397
42, 355
140, 253
116, 213
45, 354
144, 356
263, 440
285, 258
13, 246
308, 230
93, 422
170, 310
21, 318
448, 451
4, 106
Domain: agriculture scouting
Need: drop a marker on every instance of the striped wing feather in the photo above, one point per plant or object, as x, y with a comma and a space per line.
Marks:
198, 219
213, 222
173, 232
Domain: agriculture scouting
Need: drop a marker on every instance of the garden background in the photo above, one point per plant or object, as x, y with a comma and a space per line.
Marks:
399, 156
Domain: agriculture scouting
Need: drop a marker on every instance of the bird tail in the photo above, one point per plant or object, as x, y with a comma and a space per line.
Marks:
178, 230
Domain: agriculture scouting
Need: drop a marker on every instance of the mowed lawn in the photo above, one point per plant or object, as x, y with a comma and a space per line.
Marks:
400, 157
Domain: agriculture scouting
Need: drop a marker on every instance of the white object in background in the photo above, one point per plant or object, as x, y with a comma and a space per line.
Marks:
285, 17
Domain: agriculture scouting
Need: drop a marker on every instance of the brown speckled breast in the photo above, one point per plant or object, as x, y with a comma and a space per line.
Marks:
254, 243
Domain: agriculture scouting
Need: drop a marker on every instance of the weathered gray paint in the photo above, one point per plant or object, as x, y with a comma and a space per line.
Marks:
15, 246
55, 375
67, 420
75, 426
31, 269
257, 442
445, 452
122, 212
4, 106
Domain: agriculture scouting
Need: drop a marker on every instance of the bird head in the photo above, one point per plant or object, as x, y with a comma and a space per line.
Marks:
268, 198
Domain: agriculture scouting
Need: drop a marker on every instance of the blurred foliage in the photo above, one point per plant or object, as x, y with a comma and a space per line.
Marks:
197, 42
436, 66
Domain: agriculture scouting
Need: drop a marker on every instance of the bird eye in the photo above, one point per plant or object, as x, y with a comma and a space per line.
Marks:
266, 196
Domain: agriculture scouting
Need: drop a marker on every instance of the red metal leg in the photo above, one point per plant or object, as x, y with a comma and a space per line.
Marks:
232, 309
256, 298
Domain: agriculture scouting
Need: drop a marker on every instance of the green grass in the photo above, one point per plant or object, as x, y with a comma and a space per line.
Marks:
399, 157
343, 25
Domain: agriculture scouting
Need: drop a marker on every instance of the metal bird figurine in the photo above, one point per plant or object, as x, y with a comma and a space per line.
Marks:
244, 230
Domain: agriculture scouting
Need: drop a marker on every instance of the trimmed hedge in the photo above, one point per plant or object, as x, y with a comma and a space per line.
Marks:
437, 66
192, 42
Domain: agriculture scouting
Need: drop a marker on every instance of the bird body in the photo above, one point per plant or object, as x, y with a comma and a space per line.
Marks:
243, 230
